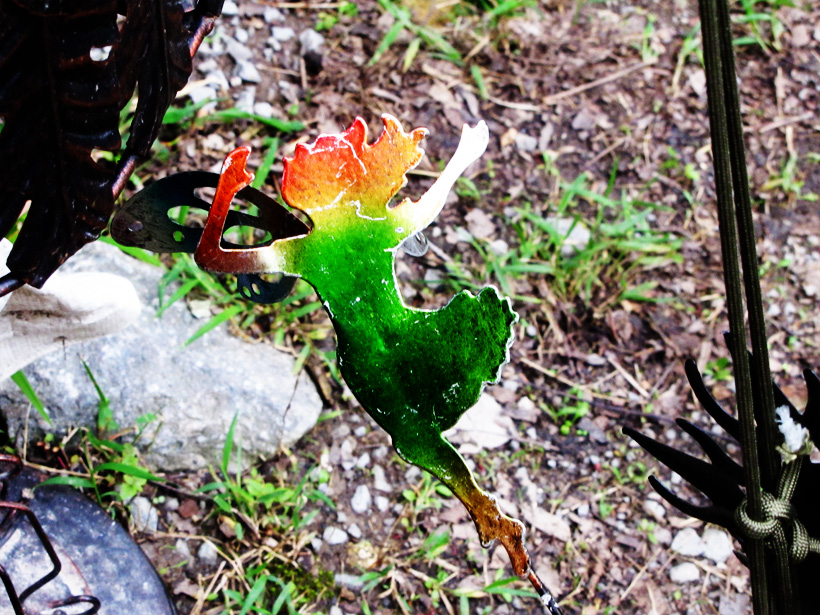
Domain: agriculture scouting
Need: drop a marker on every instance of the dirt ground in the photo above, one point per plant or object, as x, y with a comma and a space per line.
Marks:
601, 88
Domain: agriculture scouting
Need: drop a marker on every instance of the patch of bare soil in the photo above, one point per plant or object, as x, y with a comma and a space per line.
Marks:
599, 88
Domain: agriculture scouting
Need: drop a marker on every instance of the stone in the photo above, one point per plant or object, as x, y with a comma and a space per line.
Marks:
271, 14
576, 235
238, 51
282, 34
263, 109
182, 548
334, 536
525, 143
687, 542
485, 425
246, 99
194, 391
143, 515
355, 531
311, 42
380, 480
202, 94
247, 71
686, 572
361, 500
382, 503
207, 552
717, 545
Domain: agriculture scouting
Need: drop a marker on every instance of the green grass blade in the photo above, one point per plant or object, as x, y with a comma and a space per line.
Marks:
214, 322
230, 115
272, 145
227, 449
179, 293
19, 378
77, 482
130, 470
389, 39
475, 71
139, 253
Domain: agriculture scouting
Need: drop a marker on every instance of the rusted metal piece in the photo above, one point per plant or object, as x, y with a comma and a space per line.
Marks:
59, 104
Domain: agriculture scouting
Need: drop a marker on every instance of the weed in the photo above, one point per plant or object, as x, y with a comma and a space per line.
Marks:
326, 21
269, 582
719, 370
588, 258
427, 494
19, 378
571, 411
403, 21
257, 503
765, 28
789, 183
121, 476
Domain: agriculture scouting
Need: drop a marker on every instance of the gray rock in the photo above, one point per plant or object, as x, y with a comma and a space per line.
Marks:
143, 515
576, 239
361, 500
380, 480
202, 94
263, 109
207, 552
230, 8
351, 581
247, 71
182, 548
687, 542
382, 503
194, 391
334, 536
311, 41
686, 572
282, 34
271, 14
241, 35
717, 545
238, 51
525, 142
246, 99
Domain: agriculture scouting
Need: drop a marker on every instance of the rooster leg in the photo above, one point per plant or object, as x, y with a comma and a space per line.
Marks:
437, 456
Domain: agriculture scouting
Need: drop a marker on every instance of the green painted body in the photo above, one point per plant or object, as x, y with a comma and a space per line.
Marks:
414, 371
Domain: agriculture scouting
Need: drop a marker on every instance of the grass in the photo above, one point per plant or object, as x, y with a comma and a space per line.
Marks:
594, 259
262, 579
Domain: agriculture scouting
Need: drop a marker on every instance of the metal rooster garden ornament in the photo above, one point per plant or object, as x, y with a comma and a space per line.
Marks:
414, 371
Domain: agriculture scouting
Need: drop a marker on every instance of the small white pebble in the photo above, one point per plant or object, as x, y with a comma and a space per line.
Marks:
686, 572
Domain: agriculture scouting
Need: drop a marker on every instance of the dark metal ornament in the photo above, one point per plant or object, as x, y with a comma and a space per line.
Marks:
721, 479
59, 105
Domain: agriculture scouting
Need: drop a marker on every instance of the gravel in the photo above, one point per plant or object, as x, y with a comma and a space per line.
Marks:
335, 536
686, 572
361, 500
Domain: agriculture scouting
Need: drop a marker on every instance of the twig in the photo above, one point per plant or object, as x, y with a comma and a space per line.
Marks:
786, 121
627, 376
554, 98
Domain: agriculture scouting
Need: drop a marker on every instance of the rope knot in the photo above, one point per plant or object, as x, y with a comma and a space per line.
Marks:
778, 515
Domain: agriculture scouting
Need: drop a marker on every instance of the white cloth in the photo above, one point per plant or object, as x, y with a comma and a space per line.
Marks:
71, 307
